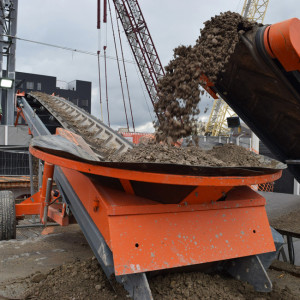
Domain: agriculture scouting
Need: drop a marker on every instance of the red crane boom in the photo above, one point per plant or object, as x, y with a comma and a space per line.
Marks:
141, 43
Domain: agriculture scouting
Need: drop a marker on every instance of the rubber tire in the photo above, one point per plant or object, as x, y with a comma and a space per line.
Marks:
7, 216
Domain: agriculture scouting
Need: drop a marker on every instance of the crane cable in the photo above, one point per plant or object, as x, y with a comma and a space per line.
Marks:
105, 63
108, 121
98, 53
125, 72
100, 93
117, 55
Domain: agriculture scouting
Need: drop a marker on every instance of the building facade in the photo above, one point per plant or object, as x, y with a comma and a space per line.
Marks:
78, 91
14, 140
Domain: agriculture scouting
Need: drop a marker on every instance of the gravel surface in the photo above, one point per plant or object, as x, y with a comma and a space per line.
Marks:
85, 280
79, 280
227, 155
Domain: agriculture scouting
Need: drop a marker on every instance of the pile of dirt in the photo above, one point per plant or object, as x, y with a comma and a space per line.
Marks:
198, 285
78, 280
233, 155
227, 155
179, 89
86, 280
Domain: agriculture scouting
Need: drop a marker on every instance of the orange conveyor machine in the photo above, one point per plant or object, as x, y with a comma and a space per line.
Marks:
140, 218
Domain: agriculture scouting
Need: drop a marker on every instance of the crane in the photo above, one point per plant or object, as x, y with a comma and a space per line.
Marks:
254, 10
141, 43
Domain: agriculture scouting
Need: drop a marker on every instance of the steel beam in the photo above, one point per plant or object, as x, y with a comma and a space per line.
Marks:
11, 64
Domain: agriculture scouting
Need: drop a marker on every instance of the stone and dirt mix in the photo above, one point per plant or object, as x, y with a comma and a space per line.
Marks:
85, 280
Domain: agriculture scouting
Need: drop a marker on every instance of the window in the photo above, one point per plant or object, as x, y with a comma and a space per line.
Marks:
84, 103
39, 86
29, 85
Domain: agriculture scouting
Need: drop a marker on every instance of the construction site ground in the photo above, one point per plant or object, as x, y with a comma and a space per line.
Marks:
57, 262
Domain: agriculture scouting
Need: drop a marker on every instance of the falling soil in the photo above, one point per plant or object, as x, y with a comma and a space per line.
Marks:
227, 155
179, 89
86, 280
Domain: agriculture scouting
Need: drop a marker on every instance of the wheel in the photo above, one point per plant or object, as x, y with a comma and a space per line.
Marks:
7, 216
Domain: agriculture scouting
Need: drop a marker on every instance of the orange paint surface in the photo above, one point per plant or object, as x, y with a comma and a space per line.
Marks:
282, 41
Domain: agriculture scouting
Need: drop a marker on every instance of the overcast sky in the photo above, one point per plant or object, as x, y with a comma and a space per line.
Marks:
73, 24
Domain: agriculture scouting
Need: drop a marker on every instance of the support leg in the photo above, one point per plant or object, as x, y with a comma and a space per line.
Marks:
46, 191
33, 217
251, 269
136, 284
31, 174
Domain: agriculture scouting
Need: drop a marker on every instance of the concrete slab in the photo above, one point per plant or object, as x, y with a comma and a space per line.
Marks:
279, 204
283, 211
53, 247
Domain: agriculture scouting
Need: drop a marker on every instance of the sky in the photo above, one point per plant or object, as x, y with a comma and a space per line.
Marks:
72, 23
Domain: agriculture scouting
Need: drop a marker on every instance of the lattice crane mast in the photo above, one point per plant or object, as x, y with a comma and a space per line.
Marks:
254, 10
141, 43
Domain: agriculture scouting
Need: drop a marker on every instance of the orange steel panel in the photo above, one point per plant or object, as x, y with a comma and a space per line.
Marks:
172, 235
145, 235
143, 243
30, 206
119, 204
154, 177
205, 193
20, 113
282, 40
87, 192
127, 186
23, 209
55, 212
48, 173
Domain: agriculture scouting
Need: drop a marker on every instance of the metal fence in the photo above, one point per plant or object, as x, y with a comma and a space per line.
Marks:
14, 161
208, 142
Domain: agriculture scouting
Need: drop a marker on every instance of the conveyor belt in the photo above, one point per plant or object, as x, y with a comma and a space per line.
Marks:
56, 112
265, 96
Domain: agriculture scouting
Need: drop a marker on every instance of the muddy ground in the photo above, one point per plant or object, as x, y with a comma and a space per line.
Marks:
60, 265
85, 280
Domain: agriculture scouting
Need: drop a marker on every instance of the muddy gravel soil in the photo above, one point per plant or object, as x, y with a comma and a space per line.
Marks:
85, 280
179, 90
228, 155
219, 156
